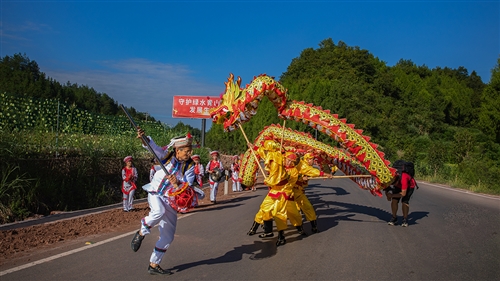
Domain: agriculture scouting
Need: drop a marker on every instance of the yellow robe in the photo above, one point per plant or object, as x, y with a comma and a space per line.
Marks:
301, 199
285, 206
278, 203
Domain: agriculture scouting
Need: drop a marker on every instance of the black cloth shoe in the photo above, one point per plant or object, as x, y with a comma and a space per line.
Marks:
253, 229
301, 230
265, 235
268, 226
314, 226
136, 241
158, 270
393, 221
281, 238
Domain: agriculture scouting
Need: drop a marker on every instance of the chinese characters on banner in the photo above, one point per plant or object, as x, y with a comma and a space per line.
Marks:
194, 106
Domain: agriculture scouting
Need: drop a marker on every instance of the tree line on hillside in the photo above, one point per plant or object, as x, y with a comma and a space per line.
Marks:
22, 77
445, 120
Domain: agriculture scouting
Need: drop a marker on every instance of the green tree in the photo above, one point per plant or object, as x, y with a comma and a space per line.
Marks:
464, 143
489, 114
436, 157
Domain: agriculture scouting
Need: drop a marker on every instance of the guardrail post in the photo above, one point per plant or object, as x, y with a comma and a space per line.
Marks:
226, 183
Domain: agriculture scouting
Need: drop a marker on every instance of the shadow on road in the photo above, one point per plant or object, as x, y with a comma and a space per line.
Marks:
331, 212
413, 217
258, 250
223, 204
338, 190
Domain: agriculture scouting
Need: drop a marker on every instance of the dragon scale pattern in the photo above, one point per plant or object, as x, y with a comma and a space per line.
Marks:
301, 143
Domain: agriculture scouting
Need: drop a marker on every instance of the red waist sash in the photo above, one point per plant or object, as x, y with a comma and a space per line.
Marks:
279, 194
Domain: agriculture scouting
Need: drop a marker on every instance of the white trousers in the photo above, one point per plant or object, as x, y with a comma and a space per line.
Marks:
236, 186
201, 193
128, 200
214, 187
165, 217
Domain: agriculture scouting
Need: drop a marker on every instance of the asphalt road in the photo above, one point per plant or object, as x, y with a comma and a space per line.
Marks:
452, 235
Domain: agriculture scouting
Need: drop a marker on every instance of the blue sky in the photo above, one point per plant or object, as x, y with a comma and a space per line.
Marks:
142, 53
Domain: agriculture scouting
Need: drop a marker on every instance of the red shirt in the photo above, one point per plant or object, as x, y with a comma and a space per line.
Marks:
213, 164
406, 181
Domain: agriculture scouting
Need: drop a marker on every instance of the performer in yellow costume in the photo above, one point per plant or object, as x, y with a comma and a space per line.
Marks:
278, 202
287, 208
306, 170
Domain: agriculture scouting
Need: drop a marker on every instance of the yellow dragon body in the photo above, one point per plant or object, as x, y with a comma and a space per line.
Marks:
358, 155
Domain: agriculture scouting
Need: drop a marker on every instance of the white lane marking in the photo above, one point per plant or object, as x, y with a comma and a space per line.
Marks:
21, 267
463, 191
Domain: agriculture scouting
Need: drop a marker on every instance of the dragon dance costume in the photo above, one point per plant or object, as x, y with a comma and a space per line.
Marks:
303, 203
278, 203
357, 155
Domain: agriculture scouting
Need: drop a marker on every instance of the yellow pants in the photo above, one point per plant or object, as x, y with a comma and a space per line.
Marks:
265, 210
280, 209
305, 205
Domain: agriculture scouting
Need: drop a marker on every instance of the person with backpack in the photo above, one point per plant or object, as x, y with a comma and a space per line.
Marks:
402, 190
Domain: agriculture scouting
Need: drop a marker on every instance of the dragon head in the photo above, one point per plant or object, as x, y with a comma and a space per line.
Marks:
230, 100
239, 105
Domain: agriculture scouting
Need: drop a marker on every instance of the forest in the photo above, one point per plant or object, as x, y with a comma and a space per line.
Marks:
446, 121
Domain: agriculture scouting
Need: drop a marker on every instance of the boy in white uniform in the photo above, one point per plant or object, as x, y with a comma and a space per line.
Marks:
162, 212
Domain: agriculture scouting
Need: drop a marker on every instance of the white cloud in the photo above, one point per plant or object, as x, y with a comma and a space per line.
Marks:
20, 32
143, 84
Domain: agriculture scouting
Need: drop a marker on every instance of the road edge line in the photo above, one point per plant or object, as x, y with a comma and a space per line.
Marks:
28, 265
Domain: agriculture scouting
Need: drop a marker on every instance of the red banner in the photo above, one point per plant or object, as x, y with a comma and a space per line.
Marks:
193, 106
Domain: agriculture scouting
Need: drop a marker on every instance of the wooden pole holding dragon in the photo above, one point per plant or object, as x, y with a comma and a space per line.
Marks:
282, 135
253, 152
342, 177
